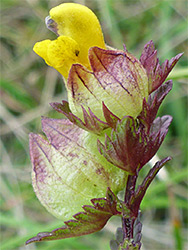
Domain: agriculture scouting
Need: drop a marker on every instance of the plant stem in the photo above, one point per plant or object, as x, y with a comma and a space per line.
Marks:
130, 188
131, 226
128, 224
128, 227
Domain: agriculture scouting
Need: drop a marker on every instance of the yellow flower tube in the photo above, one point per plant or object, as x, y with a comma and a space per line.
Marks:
93, 74
78, 29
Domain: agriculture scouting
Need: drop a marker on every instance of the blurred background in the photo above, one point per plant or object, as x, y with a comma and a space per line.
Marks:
28, 85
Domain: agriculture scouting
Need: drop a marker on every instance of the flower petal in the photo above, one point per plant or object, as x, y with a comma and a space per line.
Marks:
79, 23
60, 53
41, 48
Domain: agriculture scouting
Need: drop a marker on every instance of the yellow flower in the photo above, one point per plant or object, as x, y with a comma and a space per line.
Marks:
78, 29
99, 145
93, 74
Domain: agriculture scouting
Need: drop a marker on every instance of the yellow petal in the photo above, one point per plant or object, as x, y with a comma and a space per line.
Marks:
60, 53
41, 48
79, 23
79, 29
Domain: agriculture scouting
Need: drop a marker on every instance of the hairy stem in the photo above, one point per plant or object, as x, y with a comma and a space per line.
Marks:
128, 227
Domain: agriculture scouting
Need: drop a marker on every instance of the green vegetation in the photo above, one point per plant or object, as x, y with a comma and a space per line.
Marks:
28, 85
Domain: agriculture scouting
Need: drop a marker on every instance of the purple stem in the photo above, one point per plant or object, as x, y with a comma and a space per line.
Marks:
128, 223
130, 188
131, 225
128, 227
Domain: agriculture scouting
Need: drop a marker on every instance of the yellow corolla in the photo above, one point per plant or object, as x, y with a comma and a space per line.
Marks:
93, 73
78, 29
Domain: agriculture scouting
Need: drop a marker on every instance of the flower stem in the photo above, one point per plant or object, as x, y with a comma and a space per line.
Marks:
128, 227
130, 188
128, 224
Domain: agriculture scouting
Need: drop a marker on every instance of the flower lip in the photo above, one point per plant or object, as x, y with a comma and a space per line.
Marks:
51, 25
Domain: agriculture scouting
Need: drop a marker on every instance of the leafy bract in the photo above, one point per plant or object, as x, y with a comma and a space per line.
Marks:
91, 220
150, 108
90, 122
134, 142
156, 73
117, 79
66, 174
